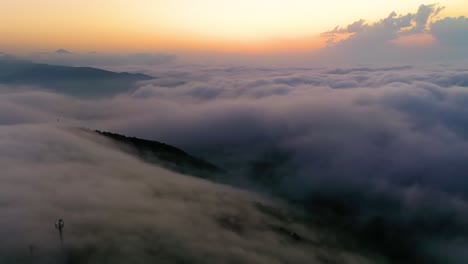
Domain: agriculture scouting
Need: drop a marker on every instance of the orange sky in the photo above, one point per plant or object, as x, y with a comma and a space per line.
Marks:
242, 26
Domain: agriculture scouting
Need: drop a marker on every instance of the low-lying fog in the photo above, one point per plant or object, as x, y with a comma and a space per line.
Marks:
387, 146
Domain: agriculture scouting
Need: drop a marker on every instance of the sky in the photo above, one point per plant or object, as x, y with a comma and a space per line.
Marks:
243, 26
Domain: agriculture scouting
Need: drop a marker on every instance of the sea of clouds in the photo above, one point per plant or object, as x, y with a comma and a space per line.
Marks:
387, 147
118, 209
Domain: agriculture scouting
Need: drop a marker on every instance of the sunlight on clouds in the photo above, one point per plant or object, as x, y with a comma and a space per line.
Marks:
415, 41
263, 19
219, 25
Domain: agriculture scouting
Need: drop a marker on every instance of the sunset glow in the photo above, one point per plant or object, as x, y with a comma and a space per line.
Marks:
259, 26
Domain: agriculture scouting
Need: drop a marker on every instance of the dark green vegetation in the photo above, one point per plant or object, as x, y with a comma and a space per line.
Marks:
165, 155
78, 81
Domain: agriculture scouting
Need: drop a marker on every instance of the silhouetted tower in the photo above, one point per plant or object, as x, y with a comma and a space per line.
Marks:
59, 225
31, 250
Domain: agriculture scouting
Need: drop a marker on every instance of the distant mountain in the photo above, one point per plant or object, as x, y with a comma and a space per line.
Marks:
79, 81
5, 56
165, 155
62, 51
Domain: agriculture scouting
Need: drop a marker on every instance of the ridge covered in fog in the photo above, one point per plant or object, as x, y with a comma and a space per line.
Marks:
118, 209
375, 153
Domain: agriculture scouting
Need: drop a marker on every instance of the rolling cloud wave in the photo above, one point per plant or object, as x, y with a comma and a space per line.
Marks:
385, 146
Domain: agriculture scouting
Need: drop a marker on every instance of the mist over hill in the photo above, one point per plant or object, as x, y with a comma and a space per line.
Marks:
373, 156
118, 209
247, 131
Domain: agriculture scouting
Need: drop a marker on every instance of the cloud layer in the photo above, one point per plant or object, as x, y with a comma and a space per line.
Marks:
385, 147
118, 209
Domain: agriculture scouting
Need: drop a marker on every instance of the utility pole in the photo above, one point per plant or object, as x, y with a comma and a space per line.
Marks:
59, 225
31, 250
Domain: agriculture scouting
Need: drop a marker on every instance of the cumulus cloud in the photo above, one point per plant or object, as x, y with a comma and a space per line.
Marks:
451, 31
389, 27
422, 18
385, 148
362, 42
355, 27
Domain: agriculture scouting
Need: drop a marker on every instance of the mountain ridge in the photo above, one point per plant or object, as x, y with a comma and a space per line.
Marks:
165, 155
78, 81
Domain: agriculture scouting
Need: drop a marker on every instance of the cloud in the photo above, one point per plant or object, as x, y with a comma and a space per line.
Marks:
423, 17
355, 27
368, 69
432, 39
451, 31
117, 208
384, 147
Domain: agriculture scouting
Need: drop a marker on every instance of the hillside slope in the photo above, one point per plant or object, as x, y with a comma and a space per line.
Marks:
80, 81
165, 155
